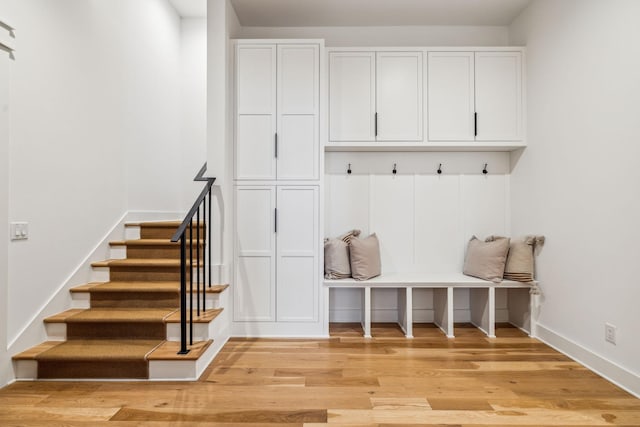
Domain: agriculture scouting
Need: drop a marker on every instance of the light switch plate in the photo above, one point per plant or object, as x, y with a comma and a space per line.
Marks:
19, 230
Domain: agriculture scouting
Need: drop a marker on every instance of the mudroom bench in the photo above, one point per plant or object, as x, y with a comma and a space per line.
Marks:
521, 305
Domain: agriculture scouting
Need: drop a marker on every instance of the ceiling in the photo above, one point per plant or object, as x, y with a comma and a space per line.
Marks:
190, 8
320, 13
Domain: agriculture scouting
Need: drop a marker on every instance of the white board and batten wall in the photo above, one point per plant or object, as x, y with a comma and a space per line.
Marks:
376, 112
423, 220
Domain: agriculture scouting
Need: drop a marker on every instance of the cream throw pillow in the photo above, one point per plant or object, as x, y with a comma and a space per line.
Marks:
365, 257
336, 256
520, 261
486, 260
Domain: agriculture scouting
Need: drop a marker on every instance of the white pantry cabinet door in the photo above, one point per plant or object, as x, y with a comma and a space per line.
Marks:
255, 269
451, 107
256, 112
297, 249
352, 96
298, 105
399, 96
498, 96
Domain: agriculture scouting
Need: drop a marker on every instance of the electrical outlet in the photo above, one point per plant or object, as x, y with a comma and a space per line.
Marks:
19, 230
610, 333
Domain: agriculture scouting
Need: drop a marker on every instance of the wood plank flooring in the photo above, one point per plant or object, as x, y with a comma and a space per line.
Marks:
468, 381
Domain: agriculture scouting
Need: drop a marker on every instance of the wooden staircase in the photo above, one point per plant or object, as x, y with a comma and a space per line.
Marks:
128, 326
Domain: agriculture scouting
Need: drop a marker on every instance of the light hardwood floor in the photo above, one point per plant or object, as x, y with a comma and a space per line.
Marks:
385, 381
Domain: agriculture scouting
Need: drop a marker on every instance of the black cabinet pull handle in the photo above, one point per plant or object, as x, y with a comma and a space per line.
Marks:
276, 148
275, 220
475, 124
376, 124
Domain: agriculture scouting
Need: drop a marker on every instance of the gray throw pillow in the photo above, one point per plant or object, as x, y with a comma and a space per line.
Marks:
336, 256
365, 257
486, 260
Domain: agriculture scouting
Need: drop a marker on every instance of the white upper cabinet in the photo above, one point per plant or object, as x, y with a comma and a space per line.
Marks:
475, 96
375, 96
277, 104
450, 96
498, 96
352, 102
399, 96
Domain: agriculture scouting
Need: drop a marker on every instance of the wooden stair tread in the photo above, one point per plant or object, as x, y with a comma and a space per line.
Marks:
150, 242
172, 223
63, 316
140, 287
112, 315
31, 353
168, 350
93, 350
205, 316
130, 287
142, 262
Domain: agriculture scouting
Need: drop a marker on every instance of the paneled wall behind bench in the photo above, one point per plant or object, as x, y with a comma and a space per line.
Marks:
423, 219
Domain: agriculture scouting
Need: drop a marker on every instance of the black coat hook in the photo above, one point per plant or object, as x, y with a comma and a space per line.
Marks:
440, 169
349, 169
485, 171
394, 169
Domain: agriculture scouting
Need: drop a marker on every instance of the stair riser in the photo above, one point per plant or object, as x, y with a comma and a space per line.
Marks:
93, 369
135, 299
120, 330
161, 251
142, 274
167, 233
120, 299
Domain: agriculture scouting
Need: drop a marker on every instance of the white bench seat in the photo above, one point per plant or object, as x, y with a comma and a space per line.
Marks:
482, 300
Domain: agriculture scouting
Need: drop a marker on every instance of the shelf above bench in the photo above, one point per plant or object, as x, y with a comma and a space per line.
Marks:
426, 146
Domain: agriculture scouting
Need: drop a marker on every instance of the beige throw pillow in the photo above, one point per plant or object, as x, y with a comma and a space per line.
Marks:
520, 261
486, 260
365, 257
336, 256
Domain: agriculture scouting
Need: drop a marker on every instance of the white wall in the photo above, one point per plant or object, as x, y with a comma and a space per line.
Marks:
193, 81
94, 118
150, 43
5, 75
388, 36
577, 182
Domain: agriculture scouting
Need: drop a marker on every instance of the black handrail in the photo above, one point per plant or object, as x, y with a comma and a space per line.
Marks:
186, 268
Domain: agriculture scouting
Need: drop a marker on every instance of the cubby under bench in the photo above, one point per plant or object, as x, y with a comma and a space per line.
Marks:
521, 304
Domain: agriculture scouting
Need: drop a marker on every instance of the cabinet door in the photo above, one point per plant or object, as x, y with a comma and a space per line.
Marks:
255, 266
451, 96
499, 96
297, 243
256, 112
351, 96
399, 96
298, 94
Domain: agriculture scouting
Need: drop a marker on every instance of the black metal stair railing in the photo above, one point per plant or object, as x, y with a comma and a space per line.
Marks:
202, 263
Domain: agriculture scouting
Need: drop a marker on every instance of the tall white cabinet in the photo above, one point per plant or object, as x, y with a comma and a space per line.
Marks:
277, 267
475, 96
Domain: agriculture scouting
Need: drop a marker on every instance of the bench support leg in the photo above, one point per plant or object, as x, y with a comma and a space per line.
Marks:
366, 312
405, 311
443, 310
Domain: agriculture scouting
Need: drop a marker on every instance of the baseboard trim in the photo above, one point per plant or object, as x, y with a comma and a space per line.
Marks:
607, 369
